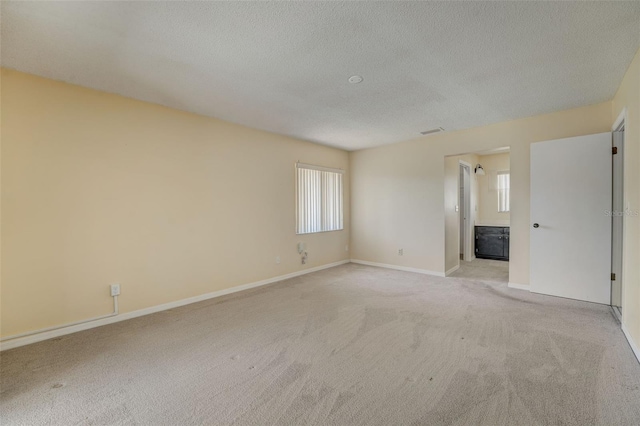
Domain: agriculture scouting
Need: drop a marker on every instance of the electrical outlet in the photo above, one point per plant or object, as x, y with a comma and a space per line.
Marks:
346, 248
278, 259
115, 290
400, 252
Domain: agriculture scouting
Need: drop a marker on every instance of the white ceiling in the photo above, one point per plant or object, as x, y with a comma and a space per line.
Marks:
284, 66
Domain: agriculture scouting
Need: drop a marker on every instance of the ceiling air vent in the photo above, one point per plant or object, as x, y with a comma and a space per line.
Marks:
436, 130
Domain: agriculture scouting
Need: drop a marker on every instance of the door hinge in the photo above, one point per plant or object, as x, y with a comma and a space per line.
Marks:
613, 277
614, 150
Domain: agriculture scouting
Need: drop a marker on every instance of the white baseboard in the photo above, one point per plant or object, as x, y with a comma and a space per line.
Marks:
10, 343
634, 347
452, 270
399, 268
518, 286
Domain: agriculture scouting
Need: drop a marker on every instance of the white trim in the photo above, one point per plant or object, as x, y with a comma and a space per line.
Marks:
452, 270
622, 117
40, 335
634, 347
467, 250
617, 172
519, 286
397, 267
71, 324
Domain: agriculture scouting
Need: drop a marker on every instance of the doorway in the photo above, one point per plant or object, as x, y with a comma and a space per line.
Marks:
617, 215
477, 216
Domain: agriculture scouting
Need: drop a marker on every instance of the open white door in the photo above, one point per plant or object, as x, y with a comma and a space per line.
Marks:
570, 227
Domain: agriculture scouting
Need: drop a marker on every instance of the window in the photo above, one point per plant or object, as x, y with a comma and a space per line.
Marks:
503, 192
318, 199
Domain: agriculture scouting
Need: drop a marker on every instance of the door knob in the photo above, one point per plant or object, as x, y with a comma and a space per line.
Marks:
535, 225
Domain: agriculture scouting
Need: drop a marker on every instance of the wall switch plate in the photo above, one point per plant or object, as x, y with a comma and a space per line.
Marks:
115, 290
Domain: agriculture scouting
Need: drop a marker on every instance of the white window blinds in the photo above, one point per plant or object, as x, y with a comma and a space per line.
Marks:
318, 199
503, 192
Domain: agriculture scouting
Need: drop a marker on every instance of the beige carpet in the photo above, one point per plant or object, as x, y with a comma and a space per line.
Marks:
483, 269
352, 345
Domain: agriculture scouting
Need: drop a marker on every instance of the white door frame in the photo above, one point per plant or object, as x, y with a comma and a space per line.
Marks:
465, 211
622, 118
618, 193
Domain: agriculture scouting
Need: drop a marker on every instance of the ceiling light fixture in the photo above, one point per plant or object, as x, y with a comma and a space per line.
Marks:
355, 79
428, 132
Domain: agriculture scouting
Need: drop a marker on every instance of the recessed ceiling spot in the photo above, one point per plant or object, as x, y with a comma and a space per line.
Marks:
355, 79
436, 130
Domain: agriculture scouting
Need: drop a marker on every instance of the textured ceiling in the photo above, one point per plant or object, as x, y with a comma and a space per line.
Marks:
284, 66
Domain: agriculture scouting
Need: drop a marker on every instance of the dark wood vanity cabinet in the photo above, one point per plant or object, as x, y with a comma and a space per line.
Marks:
492, 242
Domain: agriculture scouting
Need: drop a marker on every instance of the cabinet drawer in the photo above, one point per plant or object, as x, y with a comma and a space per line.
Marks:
490, 245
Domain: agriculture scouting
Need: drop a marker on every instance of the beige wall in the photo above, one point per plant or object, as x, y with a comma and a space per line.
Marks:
628, 96
451, 200
487, 193
97, 188
398, 190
